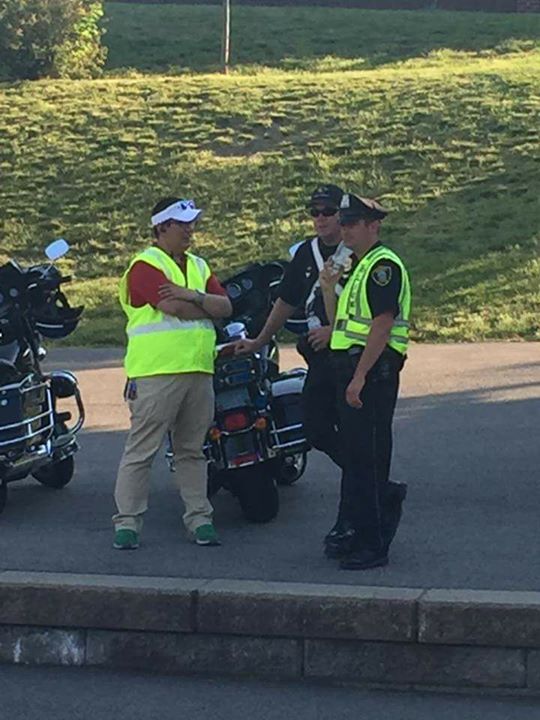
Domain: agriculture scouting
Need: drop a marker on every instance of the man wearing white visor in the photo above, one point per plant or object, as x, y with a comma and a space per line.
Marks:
170, 298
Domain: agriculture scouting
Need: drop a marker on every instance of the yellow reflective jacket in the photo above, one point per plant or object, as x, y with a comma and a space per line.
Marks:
160, 344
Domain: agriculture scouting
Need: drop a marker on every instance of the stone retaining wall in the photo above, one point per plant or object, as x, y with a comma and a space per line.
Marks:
386, 636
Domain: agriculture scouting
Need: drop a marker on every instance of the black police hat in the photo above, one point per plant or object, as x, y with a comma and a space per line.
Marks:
328, 194
354, 207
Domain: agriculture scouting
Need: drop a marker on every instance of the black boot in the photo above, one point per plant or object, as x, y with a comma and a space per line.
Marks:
364, 559
340, 528
340, 544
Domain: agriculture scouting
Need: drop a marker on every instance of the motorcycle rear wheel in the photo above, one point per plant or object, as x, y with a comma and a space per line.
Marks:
257, 493
56, 475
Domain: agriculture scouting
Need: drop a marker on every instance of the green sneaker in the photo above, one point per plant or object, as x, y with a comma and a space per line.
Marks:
126, 540
206, 535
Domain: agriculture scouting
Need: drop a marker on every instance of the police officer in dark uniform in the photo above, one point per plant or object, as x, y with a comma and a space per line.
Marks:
300, 298
369, 345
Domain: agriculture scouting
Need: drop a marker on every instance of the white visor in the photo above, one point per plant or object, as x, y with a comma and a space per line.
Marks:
183, 211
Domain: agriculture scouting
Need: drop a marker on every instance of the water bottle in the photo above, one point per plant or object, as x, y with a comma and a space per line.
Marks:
341, 258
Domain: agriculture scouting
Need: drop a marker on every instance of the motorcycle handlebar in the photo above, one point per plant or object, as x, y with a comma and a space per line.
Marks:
46, 277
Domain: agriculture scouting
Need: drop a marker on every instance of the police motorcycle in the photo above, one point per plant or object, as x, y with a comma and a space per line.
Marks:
256, 441
36, 437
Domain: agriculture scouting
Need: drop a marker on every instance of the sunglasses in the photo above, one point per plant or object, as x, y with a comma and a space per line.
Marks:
325, 212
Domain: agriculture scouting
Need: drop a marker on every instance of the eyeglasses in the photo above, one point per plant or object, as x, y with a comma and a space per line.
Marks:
325, 212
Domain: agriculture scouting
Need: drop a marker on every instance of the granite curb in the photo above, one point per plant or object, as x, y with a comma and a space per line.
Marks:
414, 637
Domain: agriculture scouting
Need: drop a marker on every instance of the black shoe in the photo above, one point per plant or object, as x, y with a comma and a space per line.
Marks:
341, 545
339, 528
364, 560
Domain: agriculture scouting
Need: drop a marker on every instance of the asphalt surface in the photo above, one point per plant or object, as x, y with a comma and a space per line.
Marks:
64, 694
466, 442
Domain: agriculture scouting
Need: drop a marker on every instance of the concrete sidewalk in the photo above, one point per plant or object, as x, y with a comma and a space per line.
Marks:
466, 442
485, 372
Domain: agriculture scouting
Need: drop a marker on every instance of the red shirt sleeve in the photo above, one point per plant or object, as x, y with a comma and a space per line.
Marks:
214, 287
144, 282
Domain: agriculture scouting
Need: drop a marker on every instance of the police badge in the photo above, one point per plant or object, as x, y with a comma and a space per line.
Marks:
382, 275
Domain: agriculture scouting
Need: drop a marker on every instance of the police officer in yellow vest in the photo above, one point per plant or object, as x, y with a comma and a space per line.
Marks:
369, 343
168, 298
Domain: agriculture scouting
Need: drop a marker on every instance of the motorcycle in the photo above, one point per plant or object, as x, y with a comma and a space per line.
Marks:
35, 437
256, 441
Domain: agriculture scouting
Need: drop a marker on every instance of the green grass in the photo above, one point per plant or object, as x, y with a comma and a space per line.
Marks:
167, 38
448, 140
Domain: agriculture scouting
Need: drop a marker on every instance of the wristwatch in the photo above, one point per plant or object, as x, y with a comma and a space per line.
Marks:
199, 297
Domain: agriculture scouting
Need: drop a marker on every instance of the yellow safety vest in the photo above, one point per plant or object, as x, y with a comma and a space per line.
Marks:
353, 315
160, 344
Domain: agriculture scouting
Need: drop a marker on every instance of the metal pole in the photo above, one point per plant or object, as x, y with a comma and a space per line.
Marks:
226, 47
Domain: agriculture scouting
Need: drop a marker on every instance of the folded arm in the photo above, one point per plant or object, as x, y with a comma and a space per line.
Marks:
175, 301
182, 309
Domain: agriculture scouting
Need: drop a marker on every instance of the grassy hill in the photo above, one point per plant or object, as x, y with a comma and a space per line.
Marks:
165, 38
449, 140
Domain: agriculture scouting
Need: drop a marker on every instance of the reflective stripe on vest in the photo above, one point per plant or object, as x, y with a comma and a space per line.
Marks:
353, 316
172, 324
360, 338
160, 344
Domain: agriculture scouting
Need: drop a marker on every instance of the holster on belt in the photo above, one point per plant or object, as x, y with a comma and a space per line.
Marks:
389, 363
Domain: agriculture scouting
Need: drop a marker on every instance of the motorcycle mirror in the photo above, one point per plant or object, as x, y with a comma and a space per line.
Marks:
294, 248
56, 249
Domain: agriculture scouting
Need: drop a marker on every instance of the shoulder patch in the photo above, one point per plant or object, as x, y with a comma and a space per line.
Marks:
382, 275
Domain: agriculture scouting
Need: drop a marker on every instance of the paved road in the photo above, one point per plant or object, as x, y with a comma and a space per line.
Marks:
64, 694
467, 434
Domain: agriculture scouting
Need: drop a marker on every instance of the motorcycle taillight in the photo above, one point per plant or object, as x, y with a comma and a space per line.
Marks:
239, 420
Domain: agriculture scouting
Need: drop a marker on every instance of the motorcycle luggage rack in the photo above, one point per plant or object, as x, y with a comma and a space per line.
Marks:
26, 423
280, 443
287, 429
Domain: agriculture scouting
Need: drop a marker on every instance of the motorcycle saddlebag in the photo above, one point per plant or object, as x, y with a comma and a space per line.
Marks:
286, 404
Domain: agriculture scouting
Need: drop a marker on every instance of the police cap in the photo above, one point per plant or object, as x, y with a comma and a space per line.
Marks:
327, 194
353, 208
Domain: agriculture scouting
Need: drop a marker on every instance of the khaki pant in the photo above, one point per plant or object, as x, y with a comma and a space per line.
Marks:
183, 403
